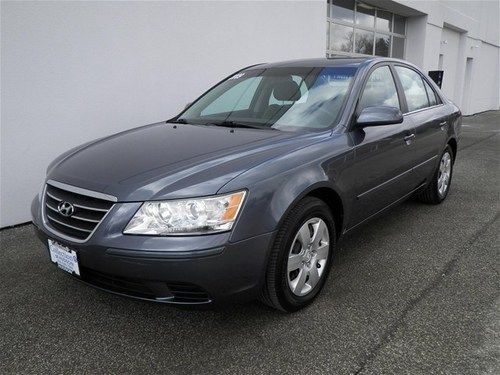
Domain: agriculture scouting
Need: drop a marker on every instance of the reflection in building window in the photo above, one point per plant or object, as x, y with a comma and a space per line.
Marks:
363, 42
353, 26
341, 37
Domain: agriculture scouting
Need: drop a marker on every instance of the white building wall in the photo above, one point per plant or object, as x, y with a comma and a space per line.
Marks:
485, 87
451, 63
75, 71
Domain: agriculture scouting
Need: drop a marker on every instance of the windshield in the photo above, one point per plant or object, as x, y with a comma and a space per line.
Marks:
279, 98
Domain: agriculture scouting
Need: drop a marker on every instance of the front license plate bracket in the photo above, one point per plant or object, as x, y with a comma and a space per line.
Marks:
65, 258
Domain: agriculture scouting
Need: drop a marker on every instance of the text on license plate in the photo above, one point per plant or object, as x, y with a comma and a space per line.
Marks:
65, 258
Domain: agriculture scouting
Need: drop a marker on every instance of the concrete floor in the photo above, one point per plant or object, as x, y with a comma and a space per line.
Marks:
414, 292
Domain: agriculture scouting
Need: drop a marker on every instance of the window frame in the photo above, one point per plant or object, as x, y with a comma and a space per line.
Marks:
436, 96
439, 99
263, 66
365, 82
403, 91
330, 21
353, 111
402, 100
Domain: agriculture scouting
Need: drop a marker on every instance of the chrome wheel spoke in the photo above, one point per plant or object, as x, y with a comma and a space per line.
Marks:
322, 251
299, 282
319, 233
304, 236
313, 276
294, 262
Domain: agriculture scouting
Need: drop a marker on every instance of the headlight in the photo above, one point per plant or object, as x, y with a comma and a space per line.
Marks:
187, 216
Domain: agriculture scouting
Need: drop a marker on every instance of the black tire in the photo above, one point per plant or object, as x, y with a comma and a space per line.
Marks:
431, 194
276, 292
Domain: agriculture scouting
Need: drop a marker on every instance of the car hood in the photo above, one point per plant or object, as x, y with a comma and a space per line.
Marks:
164, 161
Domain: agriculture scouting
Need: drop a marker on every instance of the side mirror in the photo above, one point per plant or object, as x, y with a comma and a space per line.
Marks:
376, 116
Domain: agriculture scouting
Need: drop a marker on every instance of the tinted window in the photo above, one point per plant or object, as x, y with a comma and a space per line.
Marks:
414, 89
431, 94
380, 90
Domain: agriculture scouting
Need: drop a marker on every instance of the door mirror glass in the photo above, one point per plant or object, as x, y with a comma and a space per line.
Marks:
380, 115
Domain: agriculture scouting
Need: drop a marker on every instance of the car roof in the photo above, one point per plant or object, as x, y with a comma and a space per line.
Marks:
339, 60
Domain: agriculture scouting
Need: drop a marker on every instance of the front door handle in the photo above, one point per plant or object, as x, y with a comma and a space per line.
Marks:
443, 125
409, 139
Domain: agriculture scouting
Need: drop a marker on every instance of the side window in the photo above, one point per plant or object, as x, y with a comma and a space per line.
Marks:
413, 86
380, 90
431, 94
239, 97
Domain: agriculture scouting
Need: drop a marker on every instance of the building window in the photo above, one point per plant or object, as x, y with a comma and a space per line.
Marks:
354, 27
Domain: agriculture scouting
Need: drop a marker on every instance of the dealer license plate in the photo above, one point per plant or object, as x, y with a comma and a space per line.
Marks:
65, 258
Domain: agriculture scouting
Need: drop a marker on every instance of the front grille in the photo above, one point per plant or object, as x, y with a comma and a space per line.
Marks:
184, 293
87, 214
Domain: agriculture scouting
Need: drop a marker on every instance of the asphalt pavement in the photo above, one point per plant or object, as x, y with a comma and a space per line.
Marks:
413, 292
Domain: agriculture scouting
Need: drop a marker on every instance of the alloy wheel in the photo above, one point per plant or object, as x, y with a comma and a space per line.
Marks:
444, 174
308, 256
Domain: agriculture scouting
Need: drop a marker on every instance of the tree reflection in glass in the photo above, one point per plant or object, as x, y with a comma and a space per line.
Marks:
382, 45
364, 42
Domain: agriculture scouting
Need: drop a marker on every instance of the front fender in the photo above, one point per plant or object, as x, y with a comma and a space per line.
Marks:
276, 186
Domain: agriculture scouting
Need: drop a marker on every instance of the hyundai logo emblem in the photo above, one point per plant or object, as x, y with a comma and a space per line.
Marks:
66, 209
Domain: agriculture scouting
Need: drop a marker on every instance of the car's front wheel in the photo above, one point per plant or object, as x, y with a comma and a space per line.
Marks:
301, 255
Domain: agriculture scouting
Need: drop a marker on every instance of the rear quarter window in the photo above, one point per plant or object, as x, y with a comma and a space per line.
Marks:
431, 94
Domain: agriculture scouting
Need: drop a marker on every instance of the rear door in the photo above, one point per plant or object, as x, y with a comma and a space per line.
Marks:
384, 155
427, 113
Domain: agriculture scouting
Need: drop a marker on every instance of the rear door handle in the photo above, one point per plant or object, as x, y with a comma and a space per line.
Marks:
409, 139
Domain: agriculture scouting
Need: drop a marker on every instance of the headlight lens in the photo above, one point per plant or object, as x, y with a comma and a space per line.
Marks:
187, 216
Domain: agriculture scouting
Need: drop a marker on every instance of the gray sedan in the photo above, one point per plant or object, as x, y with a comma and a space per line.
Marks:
245, 193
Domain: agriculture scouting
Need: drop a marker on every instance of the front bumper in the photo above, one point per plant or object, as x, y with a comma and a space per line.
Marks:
179, 270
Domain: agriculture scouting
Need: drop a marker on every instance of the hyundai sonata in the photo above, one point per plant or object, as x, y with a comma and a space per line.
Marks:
245, 193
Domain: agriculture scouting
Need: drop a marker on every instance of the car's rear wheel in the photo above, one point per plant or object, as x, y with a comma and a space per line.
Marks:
439, 186
300, 257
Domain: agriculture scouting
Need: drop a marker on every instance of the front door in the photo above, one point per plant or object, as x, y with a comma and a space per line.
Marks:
384, 155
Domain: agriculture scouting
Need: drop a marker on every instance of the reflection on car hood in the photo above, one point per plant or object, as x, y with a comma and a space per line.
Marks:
169, 161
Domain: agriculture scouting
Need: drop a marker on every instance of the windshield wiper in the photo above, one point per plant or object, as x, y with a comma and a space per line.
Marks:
237, 124
176, 121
